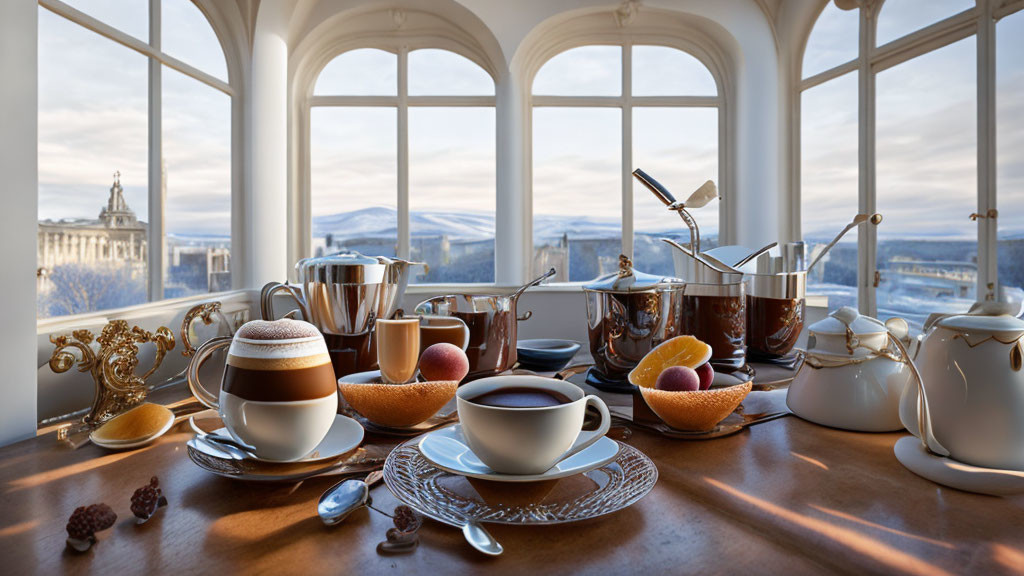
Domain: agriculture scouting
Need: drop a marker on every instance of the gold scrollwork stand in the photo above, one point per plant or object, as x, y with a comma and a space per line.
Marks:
113, 367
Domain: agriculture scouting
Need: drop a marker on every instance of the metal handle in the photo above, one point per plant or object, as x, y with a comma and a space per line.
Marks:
203, 312
527, 316
924, 421
659, 191
267, 300
202, 354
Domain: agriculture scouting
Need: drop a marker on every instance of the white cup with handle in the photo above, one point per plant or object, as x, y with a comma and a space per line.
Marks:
527, 440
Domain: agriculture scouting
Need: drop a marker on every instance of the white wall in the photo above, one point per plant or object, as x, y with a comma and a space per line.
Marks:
18, 174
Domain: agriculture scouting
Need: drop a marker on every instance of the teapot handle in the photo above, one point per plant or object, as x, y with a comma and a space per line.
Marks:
924, 421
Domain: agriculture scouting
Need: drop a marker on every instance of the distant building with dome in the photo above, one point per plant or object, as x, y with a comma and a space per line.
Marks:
117, 238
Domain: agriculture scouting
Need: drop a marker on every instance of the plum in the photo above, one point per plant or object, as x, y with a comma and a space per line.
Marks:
678, 379
444, 361
707, 375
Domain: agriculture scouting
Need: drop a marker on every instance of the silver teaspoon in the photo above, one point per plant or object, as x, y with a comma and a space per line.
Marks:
479, 538
345, 497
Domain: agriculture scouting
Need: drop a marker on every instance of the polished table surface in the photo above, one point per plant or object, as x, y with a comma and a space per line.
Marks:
785, 496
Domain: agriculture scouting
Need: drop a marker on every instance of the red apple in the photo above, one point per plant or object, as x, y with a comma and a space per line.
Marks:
678, 379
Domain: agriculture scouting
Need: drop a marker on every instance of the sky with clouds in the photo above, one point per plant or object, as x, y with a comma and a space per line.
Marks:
93, 120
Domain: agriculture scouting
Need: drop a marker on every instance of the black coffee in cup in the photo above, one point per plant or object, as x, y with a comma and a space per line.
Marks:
520, 397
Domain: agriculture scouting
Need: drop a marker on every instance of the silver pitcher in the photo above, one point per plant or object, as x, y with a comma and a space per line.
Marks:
343, 295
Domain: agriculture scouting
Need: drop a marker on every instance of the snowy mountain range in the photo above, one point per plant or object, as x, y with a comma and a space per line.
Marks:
382, 222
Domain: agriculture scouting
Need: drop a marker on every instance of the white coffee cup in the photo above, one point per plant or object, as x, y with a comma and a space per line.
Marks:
278, 392
527, 440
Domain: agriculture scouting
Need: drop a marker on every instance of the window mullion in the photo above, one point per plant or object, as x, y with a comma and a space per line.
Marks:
627, 149
155, 237
987, 227
403, 248
867, 238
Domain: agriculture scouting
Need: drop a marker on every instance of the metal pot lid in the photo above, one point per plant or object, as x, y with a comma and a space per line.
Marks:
1004, 327
847, 317
346, 268
628, 279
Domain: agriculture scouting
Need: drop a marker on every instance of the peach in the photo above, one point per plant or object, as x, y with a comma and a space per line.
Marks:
678, 379
706, 374
444, 361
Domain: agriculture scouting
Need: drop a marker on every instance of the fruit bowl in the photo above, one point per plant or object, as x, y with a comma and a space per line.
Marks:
395, 405
698, 410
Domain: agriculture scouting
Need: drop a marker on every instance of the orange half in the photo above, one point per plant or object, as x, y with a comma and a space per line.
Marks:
679, 351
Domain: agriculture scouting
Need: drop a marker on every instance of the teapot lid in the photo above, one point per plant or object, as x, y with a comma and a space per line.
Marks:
628, 279
848, 317
343, 268
1003, 326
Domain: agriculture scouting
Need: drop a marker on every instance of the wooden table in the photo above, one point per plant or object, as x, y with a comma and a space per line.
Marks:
785, 496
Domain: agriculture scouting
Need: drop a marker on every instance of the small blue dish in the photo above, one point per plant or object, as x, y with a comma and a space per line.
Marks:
545, 354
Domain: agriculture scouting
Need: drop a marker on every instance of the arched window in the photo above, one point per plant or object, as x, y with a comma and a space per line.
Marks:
599, 111
402, 160
135, 161
921, 156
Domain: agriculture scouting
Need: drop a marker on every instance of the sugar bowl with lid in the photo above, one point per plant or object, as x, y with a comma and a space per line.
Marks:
852, 376
972, 377
628, 313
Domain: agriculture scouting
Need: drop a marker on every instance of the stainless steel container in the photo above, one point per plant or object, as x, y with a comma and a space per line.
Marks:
776, 306
628, 314
493, 325
343, 295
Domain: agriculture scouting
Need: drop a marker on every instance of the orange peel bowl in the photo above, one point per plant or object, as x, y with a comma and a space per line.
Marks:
398, 405
697, 411
679, 351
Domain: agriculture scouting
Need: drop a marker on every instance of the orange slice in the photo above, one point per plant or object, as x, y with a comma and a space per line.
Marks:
679, 351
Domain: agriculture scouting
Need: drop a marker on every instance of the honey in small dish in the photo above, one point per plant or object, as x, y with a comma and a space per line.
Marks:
143, 422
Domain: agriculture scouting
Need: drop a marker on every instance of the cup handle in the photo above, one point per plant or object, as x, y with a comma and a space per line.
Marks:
202, 354
586, 438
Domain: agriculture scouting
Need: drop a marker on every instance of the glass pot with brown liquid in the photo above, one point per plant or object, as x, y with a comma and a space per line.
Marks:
775, 313
717, 315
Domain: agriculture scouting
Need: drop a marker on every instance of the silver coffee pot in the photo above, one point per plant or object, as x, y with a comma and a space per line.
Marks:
343, 295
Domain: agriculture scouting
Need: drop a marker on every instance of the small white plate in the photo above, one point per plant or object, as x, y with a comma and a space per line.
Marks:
123, 445
345, 435
447, 449
948, 472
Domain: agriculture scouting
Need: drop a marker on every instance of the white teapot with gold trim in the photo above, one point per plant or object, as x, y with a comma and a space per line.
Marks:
972, 373
852, 376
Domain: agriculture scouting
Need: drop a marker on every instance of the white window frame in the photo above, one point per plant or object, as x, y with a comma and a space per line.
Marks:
401, 102
978, 21
626, 102
156, 239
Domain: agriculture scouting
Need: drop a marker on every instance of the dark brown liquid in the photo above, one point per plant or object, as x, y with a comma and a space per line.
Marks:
773, 325
437, 334
280, 385
351, 353
520, 397
492, 339
721, 322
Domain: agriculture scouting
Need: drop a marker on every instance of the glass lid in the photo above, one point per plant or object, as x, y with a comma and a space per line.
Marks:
628, 279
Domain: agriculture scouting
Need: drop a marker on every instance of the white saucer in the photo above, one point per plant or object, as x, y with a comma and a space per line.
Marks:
447, 449
948, 472
345, 435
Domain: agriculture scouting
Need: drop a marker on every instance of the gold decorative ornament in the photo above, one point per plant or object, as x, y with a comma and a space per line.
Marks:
204, 312
113, 367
